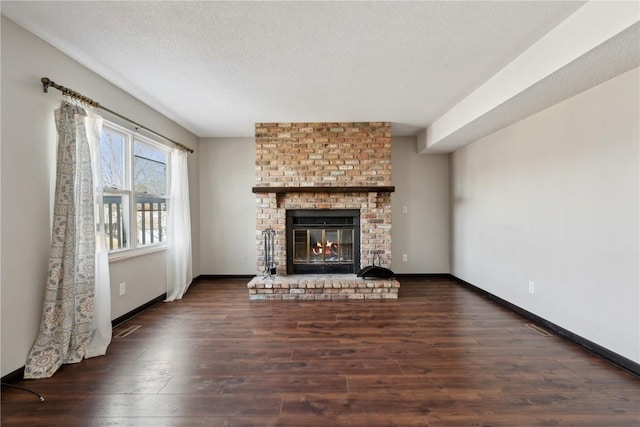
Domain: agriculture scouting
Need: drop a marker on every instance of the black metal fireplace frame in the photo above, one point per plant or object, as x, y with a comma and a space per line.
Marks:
323, 268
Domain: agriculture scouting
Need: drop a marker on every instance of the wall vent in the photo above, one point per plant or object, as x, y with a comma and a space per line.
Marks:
127, 331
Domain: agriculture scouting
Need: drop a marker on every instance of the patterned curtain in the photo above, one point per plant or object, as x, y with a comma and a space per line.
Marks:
67, 317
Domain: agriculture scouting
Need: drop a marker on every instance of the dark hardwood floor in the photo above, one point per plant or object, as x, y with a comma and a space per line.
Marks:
441, 355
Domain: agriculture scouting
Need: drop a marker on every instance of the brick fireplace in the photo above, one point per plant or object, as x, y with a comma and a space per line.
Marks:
324, 166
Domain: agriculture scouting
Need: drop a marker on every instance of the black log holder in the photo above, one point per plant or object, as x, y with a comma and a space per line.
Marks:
375, 271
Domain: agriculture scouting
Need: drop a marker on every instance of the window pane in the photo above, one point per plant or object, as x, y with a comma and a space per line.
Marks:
331, 245
112, 144
149, 169
151, 220
301, 247
315, 240
346, 246
115, 221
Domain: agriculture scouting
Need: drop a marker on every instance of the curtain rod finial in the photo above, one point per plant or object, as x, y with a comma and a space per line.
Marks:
45, 84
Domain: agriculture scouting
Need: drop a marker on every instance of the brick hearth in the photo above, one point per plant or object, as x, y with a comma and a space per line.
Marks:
308, 287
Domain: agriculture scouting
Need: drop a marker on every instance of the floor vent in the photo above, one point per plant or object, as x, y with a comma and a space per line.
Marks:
539, 330
127, 331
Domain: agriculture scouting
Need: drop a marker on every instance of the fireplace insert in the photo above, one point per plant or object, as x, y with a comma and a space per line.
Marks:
323, 241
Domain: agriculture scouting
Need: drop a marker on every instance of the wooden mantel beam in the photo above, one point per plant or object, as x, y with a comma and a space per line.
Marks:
345, 189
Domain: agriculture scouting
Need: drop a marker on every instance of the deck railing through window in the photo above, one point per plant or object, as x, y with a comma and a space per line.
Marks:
151, 221
114, 222
151, 217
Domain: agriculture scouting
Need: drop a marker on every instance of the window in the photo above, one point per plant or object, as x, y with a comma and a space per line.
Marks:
134, 171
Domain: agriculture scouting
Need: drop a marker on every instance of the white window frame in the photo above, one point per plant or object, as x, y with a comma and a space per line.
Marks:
131, 228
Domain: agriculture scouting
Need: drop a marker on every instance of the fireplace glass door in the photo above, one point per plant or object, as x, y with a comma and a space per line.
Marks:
323, 246
323, 241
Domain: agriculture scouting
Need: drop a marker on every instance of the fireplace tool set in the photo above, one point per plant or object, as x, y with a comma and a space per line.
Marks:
269, 252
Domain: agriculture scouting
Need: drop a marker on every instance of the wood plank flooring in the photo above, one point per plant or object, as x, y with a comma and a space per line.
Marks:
440, 355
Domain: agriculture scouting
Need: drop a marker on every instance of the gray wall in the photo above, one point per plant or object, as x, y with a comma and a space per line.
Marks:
227, 207
422, 233
554, 199
28, 180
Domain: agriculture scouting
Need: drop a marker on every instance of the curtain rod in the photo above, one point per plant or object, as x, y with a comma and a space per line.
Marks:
46, 83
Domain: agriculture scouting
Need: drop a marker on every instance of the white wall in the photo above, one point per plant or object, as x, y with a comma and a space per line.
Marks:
422, 233
227, 173
28, 181
554, 199
227, 206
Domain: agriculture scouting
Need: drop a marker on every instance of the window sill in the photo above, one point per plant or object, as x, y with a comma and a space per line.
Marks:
134, 253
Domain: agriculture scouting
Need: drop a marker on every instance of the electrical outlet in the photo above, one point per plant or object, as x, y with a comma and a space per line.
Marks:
123, 288
405, 258
244, 258
405, 209
532, 287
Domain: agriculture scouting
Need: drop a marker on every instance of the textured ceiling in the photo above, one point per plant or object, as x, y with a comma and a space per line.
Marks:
216, 68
